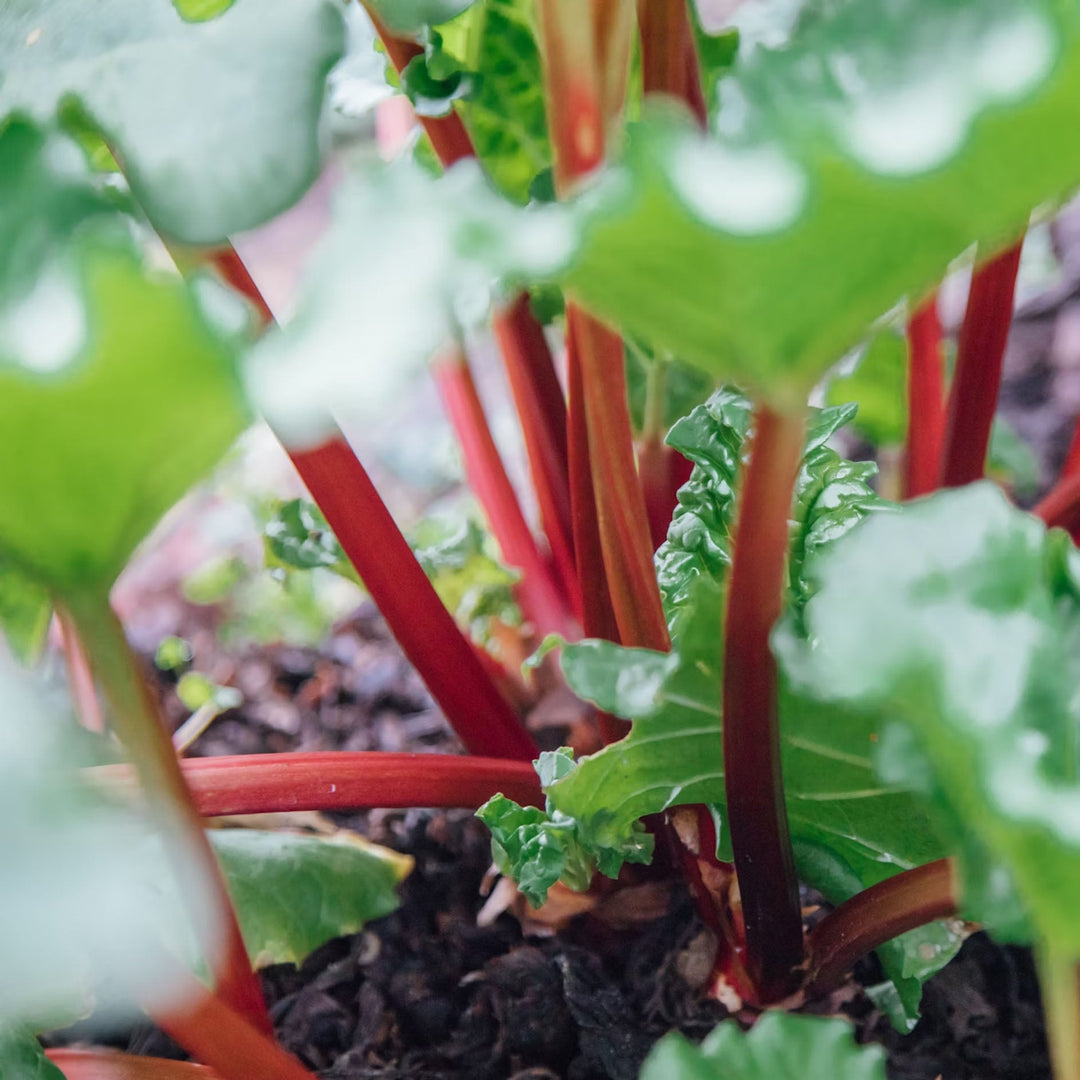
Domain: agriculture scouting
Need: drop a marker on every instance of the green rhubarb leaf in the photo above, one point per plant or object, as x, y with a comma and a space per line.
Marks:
434, 80
878, 385
849, 830
780, 1046
25, 613
848, 169
216, 122
538, 847
1011, 461
298, 536
505, 111
971, 682
294, 892
409, 17
117, 386
680, 388
22, 1057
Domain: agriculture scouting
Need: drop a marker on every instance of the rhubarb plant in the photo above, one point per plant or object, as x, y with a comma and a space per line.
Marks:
746, 208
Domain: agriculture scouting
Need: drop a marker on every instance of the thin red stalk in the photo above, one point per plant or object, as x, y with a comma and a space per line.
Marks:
624, 525
1061, 507
541, 408
79, 677
423, 627
669, 60
113, 1065
137, 720
1072, 458
903, 902
980, 353
340, 780
444, 657
222, 1039
527, 357
752, 772
926, 402
540, 594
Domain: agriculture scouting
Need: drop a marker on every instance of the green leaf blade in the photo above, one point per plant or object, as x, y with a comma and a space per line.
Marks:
295, 892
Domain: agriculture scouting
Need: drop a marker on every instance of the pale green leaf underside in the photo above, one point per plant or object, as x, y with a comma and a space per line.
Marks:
407, 17
294, 892
780, 1046
972, 678
216, 123
851, 168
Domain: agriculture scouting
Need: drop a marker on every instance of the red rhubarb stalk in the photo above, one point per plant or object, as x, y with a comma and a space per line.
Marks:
340, 780
419, 621
541, 596
925, 400
752, 773
669, 59
112, 1065
541, 406
980, 353
625, 538
80, 679
218, 1036
1072, 457
137, 721
901, 903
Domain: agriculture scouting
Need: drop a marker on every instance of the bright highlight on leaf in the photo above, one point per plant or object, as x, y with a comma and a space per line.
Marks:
215, 122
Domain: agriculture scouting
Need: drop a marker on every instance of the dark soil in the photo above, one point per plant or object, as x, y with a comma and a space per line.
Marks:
428, 994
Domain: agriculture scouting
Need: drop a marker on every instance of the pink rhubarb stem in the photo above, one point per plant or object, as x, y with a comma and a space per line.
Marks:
926, 402
541, 407
112, 1065
419, 621
1061, 507
980, 354
540, 593
752, 774
340, 780
222, 1039
669, 59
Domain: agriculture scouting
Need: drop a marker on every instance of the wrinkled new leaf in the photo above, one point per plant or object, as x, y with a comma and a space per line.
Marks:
298, 536
294, 892
971, 680
848, 169
215, 122
117, 387
778, 1047
538, 847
